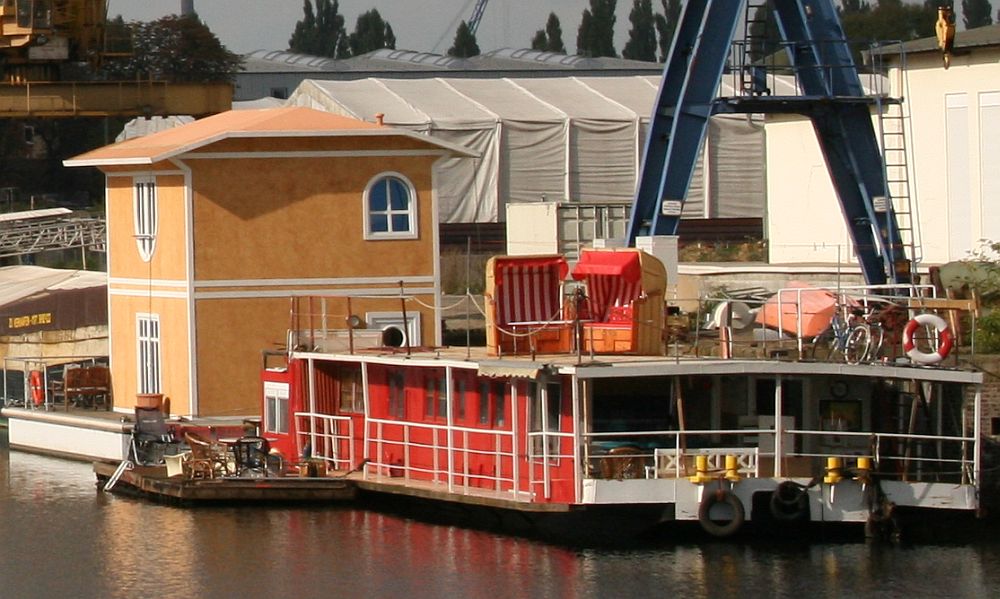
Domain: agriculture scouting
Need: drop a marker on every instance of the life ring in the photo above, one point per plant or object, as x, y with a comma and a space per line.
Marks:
944, 336
37, 387
721, 529
790, 502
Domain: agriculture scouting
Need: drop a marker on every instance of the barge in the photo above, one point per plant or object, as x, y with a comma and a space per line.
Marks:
595, 405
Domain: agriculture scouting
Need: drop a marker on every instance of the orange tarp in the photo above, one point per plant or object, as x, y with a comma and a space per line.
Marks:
815, 307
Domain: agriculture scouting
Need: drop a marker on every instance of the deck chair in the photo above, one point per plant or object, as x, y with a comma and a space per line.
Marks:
209, 459
151, 437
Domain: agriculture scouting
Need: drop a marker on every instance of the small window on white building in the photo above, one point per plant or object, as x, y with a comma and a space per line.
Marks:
148, 352
276, 407
145, 215
390, 208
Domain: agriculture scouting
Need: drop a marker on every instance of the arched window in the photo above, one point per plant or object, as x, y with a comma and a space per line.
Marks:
145, 215
390, 208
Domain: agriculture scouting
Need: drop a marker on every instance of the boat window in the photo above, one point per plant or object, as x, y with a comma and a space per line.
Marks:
145, 215
484, 402
442, 398
546, 416
460, 399
351, 397
500, 405
397, 395
275, 407
390, 208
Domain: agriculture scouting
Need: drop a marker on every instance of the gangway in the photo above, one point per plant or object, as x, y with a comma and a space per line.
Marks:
831, 96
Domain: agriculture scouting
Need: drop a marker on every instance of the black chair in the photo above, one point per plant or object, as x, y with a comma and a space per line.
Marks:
252, 456
151, 437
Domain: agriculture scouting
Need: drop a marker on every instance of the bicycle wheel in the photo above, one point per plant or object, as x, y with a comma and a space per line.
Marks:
857, 344
877, 334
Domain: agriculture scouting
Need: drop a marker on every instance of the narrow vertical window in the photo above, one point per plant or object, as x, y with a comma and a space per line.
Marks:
500, 392
397, 395
144, 210
148, 352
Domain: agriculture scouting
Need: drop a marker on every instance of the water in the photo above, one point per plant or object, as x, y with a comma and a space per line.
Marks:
60, 537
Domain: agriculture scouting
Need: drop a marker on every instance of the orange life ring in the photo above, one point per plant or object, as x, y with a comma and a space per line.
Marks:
945, 339
37, 387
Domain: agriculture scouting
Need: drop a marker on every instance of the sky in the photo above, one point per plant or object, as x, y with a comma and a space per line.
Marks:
421, 25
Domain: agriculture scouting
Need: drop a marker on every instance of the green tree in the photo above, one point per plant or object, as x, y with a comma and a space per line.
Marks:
175, 48
550, 38
321, 33
371, 33
641, 43
976, 13
597, 28
666, 25
465, 44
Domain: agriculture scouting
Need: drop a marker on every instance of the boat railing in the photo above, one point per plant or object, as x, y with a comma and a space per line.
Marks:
328, 437
799, 453
451, 449
546, 449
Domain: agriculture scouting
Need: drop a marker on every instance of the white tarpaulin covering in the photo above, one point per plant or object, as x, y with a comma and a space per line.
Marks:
568, 138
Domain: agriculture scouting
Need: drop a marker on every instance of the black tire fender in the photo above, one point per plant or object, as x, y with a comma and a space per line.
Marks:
721, 529
789, 501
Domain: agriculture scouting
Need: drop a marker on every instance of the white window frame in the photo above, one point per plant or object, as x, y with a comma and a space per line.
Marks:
276, 407
148, 357
145, 215
411, 210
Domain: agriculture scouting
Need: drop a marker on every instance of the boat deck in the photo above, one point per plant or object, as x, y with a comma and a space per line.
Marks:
152, 482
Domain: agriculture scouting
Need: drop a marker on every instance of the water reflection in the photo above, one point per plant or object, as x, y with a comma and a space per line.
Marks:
62, 538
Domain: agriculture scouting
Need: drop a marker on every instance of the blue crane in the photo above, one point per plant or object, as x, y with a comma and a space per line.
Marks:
832, 98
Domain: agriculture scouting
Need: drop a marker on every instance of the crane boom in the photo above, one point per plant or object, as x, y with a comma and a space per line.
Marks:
832, 98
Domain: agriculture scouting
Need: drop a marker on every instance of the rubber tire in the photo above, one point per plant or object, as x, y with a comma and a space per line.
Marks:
789, 502
721, 530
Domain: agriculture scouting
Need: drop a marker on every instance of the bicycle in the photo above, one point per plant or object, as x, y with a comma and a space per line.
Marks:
853, 336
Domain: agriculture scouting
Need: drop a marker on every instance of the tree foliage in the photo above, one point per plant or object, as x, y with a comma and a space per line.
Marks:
371, 32
976, 13
174, 48
465, 44
550, 38
596, 36
641, 44
666, 25
321, 32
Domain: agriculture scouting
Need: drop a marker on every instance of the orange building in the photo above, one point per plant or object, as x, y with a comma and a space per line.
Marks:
214, 225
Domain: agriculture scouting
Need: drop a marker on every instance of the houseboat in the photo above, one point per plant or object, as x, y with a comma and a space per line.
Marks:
593, 409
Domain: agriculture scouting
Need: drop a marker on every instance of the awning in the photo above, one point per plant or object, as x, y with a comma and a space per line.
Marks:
608, 263
532, 263
514, 369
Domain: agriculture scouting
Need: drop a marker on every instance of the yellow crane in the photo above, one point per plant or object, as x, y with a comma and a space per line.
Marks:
36, 36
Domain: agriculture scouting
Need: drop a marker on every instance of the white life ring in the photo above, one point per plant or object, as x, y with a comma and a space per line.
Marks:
945, 339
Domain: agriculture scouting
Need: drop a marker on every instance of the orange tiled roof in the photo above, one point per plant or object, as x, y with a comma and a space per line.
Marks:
291, 121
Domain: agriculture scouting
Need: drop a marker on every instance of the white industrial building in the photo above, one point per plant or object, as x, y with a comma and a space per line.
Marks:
952, 126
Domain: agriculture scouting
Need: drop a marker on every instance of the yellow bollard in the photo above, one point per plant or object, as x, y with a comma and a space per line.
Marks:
833, 471
732, 468
700, 470
864, 464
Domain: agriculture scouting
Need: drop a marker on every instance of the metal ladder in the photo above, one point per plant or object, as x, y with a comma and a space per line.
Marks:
893, 125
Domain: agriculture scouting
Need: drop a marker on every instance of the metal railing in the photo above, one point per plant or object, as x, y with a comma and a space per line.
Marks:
671, 454
451, 449
330, 438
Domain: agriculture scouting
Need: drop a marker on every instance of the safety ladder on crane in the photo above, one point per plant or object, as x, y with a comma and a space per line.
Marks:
758, 47
894, 124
